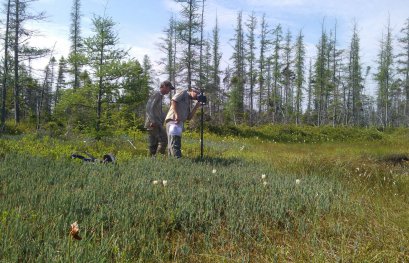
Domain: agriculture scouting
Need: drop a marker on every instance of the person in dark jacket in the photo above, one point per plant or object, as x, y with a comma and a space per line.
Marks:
157, 139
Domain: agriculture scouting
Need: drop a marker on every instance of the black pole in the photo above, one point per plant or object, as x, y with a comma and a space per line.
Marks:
201, 133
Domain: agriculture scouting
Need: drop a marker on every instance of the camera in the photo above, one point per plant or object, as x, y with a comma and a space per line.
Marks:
201, 98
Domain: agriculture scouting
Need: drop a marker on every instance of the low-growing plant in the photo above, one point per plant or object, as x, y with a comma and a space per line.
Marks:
251, 198
123, 215
303, 134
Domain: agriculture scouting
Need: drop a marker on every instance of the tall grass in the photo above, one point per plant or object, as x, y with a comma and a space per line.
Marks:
124, 216
321, 201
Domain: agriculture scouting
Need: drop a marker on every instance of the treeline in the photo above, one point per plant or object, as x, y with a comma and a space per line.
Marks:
98, 86
271, 79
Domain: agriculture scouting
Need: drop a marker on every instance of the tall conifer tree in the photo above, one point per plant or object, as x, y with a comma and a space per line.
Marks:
384, 77
236, 100
403, 64
251, 62
75, 58
299, 65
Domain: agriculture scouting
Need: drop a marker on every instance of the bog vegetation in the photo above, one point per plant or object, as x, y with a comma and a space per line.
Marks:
301, 162
272, 194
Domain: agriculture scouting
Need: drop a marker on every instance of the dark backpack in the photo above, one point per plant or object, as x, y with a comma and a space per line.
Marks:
106, 158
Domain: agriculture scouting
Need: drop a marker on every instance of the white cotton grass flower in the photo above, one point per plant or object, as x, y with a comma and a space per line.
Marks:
155, 182
165, 182
265, 183
263, 176
242, 148
214, 171
297, 181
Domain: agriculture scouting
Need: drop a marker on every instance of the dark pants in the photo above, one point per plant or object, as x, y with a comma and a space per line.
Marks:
157, 141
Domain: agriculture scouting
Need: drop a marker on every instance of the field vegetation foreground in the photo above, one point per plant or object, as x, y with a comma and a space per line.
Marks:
271, 194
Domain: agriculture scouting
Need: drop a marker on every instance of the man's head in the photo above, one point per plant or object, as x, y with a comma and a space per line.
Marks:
193, 93
166, 87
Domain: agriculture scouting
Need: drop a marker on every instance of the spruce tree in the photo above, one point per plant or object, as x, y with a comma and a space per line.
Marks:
104, 59
276, 65
321, 78
384, 78
20, 17
287, 78
299, 66
236, 99
262, 61
403, 66
251, 61
215, 70
61, 82
188, 29
76, 57
355, 78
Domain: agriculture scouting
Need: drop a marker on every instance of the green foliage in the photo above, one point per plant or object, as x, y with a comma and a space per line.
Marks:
19, 128
55, 148
135, 84
350, 203
77, 108
123, 216
299, 134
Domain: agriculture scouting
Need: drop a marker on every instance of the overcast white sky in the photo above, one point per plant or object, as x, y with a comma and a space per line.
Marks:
140, 23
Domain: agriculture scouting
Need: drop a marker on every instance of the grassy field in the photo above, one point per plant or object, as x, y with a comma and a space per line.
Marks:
280, 194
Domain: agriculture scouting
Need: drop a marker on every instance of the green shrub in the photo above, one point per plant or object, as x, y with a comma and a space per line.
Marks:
299, 134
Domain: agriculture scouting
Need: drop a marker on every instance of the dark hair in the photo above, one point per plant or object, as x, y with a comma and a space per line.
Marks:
167, 83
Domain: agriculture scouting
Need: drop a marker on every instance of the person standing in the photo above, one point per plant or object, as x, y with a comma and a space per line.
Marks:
157, 138
178, 113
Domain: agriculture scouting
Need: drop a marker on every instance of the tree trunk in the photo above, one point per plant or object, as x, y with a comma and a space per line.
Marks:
4, 93
100, 83
16, 66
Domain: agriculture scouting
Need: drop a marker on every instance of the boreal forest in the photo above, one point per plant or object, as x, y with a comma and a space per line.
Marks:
98, 86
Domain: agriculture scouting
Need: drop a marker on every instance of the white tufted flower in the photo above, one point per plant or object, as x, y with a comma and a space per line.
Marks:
298, 181
165, 182
263, 176
155, 182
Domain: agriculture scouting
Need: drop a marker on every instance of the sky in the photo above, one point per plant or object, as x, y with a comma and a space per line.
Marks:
140, 23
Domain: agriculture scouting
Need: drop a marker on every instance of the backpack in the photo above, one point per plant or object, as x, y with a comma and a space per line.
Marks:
106, 158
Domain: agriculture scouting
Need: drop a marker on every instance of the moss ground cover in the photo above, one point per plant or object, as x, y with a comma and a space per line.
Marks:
251, 199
